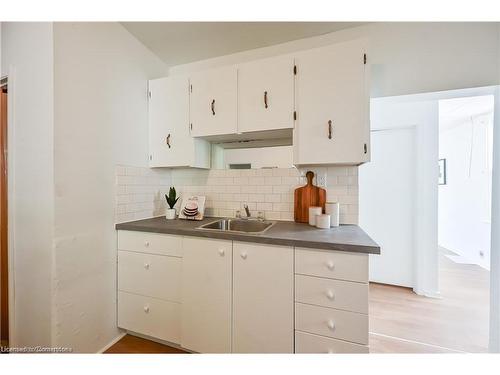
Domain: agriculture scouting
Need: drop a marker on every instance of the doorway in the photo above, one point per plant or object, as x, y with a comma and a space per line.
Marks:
4, 277
435, 289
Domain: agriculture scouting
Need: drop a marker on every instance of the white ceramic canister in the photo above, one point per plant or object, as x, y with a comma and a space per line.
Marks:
313, 211
333, 209
323, 221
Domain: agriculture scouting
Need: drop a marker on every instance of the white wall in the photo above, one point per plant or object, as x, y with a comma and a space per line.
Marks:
101, 74
405, 58
27, 57
465, 200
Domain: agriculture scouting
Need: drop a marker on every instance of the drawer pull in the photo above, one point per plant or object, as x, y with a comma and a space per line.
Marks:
221, 252
146, 243
146, 266
330, 265
330, 295
243, 255
146, 309
331, 325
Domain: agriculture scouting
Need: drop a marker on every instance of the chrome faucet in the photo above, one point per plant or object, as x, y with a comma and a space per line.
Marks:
247, 211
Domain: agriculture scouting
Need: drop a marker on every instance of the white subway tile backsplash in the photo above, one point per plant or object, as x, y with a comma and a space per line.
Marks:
140, 191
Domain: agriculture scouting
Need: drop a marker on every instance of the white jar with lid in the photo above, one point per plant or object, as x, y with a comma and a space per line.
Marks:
313, 212
323, 221
332, 209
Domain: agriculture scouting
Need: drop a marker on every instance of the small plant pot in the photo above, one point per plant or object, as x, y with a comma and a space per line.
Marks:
170, 213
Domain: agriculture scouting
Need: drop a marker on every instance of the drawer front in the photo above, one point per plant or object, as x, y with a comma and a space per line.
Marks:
337, 294
149, 316
152, 243
309, 343
332, 264
151, 275
334, 323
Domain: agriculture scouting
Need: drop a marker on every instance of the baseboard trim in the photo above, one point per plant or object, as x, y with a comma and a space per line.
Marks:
112, 342
159, 341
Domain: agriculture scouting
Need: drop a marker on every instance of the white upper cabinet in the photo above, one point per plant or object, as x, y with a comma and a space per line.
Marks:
214, 102
170, 141
332, 104
262, 298
265, 94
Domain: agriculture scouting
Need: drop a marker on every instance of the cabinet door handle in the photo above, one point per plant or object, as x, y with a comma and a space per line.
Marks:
146, 266
243, 255
265, 99
213, 107
331, 325
329, 129
330, 265
168, 141
330, 295
146, 309
221, 252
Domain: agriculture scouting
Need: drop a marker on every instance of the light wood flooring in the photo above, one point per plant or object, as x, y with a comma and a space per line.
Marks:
403, 322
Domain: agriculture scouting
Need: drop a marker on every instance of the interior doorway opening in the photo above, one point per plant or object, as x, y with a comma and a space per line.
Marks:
402, 207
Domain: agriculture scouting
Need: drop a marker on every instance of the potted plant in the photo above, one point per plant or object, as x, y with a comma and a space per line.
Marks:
171, 201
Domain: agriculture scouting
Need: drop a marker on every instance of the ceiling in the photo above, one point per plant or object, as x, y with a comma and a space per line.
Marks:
454, 112
183, 42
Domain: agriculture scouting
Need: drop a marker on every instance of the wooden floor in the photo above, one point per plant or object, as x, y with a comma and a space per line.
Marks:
458, 321
403, 322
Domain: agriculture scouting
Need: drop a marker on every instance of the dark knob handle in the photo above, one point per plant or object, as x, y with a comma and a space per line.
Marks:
265, 99
213, 107
168, 141
329, 129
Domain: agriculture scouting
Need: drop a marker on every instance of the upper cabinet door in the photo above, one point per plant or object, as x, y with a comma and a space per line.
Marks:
170, 141
214, 102
265, 94
332, 102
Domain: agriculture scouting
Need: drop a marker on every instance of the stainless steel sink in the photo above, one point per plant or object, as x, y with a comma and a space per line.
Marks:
239, 225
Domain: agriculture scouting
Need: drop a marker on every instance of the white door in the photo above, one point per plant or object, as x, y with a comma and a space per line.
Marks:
265, 94
170, 142
206, 295
386, 204
262, 298
331, 88
214, 102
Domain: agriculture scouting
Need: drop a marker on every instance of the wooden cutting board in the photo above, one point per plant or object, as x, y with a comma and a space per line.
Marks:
307, 196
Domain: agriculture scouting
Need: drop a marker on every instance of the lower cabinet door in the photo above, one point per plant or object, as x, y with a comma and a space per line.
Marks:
262, 298
206, 295
309, 343
149, 316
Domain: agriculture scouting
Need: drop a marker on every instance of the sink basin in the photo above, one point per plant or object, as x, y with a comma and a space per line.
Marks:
239, 225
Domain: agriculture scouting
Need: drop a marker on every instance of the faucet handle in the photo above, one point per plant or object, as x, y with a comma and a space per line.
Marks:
260, 215
238, 214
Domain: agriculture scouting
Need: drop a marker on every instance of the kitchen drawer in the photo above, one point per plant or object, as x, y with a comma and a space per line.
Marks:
149, 316
339, 324
152, 243
309, 343
332, 264
151, 275
344, 295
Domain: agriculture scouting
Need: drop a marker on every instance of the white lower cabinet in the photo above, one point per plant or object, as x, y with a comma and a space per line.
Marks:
149, 316
310, 343
262, 298
206, 295
220, 296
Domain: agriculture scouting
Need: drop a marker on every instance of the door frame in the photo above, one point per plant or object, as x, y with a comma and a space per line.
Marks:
11, 207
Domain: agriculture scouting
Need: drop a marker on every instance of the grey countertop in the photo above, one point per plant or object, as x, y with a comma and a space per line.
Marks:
344, 238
